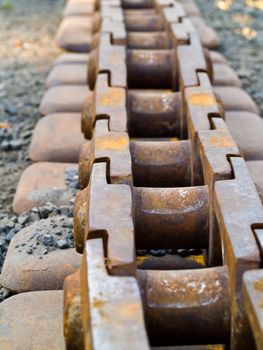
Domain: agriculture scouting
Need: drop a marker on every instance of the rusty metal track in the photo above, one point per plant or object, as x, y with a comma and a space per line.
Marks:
162, 172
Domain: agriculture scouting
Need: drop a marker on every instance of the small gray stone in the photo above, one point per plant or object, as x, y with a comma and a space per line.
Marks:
44, 211
62, 244
171, 251
157, 252
16, 144
67, 224
11, 110
34, 216
51, 207
57, 231
18, 228
187, 252
5, 146
65, 210
48, 240
10, 224
2, 228
10, 235
141, 252
29, 250
26, 134
22, 219
5, 292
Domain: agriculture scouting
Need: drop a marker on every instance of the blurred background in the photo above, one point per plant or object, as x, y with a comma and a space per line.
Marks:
239, 24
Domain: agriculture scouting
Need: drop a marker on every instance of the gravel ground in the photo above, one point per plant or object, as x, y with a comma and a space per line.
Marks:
240, 28
26, 51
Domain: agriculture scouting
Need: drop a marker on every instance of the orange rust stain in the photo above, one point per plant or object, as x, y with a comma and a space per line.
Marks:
116, 143
99, 305
202, 99
258, 285
130, 310
173, 139
113, 97
108, 263
221, 141
5, 125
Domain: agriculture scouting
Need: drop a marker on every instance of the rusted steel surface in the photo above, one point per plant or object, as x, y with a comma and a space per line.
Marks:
102, 198
160, 163
253, 293
109, 147
153, 113
171, 217
169, 222
110, 59
176, 301
73, 327
106, 102
112, 305
237, 209
178, 182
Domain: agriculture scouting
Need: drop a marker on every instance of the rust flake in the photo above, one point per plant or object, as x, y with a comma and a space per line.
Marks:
202, 99
113, 143
223, 141
130, 310
112, 97
5, 125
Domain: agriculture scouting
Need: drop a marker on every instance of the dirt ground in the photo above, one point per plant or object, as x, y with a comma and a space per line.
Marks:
26, 52
240, 28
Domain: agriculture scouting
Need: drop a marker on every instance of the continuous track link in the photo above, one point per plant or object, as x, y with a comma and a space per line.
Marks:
159, 172
147, 191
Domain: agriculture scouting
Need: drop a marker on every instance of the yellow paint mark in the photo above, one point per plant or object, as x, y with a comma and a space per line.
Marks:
141, 259
97, 303
258, 285
113, 97
215, 347
199, 259
173, 139
202, 99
